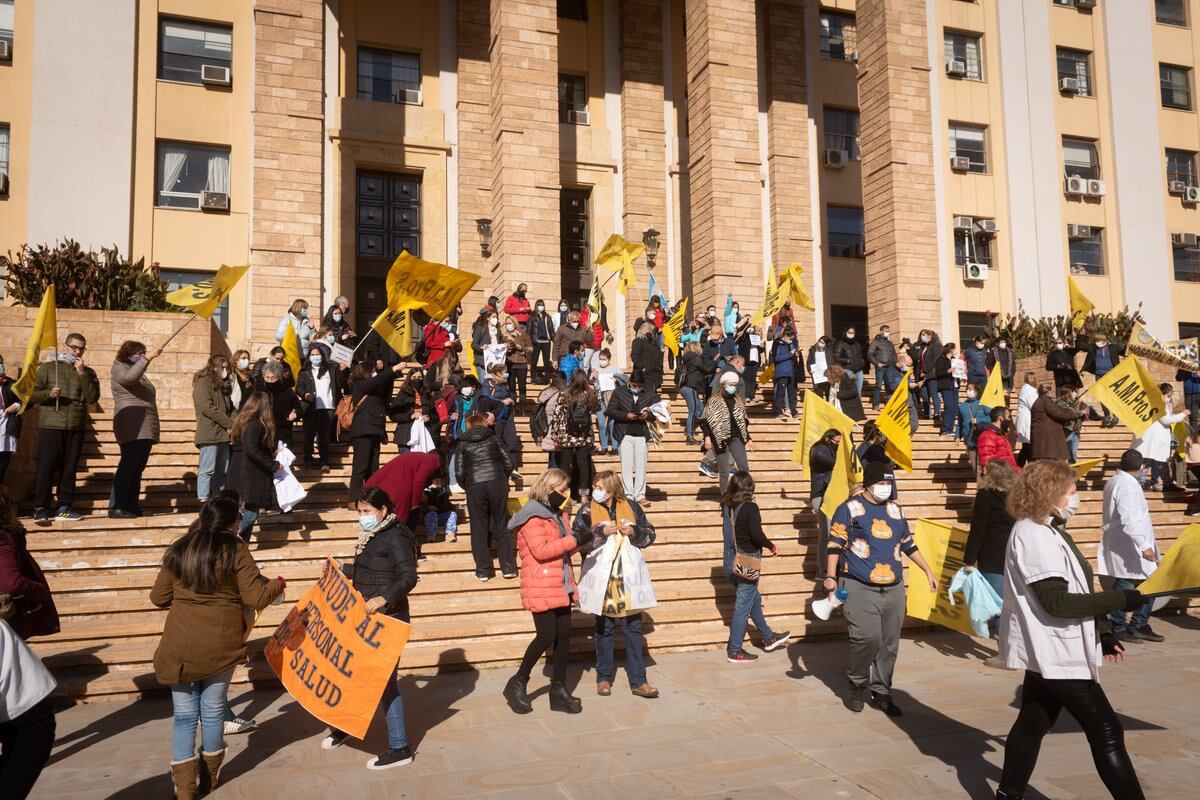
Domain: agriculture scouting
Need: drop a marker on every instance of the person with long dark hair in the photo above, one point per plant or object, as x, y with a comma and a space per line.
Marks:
370, 391
135, 426
410, 406
252, 464
207, 577
213, 401
279, 385
745, 542
319, 387
383, 570
482, 468
571, 427
1056, 629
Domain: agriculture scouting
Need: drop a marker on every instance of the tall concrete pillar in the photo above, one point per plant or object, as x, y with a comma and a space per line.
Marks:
474, 105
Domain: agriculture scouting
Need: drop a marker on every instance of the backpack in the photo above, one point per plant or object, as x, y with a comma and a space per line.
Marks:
346, 408
539, 425
579, 420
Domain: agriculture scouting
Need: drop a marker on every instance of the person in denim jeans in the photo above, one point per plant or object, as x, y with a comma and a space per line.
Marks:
604, 371
785, 356
1128, 551
694, 373
743, 533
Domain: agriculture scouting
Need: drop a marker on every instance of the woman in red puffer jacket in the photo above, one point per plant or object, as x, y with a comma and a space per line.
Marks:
545, 544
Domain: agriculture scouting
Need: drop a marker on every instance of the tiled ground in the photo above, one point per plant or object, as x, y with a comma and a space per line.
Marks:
776, 729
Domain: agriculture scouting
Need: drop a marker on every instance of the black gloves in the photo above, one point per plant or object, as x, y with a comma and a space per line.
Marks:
1110, 645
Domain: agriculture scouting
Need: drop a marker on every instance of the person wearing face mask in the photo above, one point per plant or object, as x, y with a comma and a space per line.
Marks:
567, 334
1155, 444
436, 338
1128, 552
609, 513
516, 305
1046, 421
320, 390
628, 407
942, 379
882, 357
541, 331
866, 537
976, 357
605, 377
383, 570
564, 313
545, 541
971, 414
498, 389
213, 401
727, 428
1056, 629
991, 525
240, 378
10, 420
818, 363
1060, 361
135, 426
1102, 356
848, 354
252, 464
904, 366
1069, 400
994, 441
370, 391
1001, 354
930, 349
409, 407
647, 355
519, 350
297, 320
276, 382
337, 322
785, 355
694, 376
822, 457
718, 348
571, 429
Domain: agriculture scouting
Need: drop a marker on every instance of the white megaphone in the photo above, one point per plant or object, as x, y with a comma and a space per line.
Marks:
824, 608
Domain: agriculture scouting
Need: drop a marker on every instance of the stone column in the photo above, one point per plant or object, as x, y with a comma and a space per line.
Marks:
524, 141
896, 140
788, 162
289, 125
474, 142
723, 161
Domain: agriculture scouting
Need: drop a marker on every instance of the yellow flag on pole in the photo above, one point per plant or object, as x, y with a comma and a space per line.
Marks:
618, 254
1180, 432
436, 289
467, 359
203, 297
893, 423
43, 335
1082, 468
820, 416
774, 296
1179, 569
673, 328
291, 350
1131, 394
944, 547
1178, 354
595, 296
395, 327
800, 295
1080, 305
993, 391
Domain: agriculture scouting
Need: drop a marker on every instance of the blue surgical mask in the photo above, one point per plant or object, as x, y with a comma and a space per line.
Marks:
368, 522
731, 389
1, 370
336, 317
66, 358
304, 314
243, 363
314, 360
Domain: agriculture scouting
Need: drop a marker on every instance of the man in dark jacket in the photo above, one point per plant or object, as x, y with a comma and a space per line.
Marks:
848, 354
541, 333
976, 355
628, 408
1191, 394
1001, 354
1060, 362
882, 356
1101, 358
63, 388
646, 355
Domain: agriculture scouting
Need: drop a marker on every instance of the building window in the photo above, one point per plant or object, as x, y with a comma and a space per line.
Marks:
1087, 253
967, 48
4, 148
1176, 86
1189, 330
841, 130
1076, 64
1066, 3
1181, 166
389, 215
389, 76
839, 36
847, 232
187, 170
1187, 263
572, 99
972, 248
972, 324
573, 9
1080, 159
970, 142
574, 236
1171, 12
6, 23
184, 47
178, 278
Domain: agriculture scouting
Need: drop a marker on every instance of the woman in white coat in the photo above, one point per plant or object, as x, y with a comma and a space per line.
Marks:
297, 317
1025, 400
1055, 628
1155, 444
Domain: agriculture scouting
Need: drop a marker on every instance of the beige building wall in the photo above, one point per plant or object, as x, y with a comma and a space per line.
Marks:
16, 94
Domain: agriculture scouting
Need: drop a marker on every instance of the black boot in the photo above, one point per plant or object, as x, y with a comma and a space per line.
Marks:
1009, 794
562, 700
854, 697
515, 694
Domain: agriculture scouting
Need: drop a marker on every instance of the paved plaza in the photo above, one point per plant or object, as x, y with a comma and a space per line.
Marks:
775, 729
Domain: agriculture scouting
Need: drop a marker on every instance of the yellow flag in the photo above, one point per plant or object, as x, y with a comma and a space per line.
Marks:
774, 296
893, 423
1179, 354
434, 288
618, 254
395, 327
203, 297
291, 350
944, 548
820, 416
1080, 305
595, 296
1082, 468
800, 295
1180, 566
1180, 432
993, 392
43, 335
838, 490
767, 374
1131, 394
673, 328
466, 359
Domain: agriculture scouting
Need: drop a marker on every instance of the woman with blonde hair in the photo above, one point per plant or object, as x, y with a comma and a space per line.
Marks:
545, 543
610, 512
520, 346
297, 317
252, 462
1056, 628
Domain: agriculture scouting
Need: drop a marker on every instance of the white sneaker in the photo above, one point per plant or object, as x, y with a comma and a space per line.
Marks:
239, 725
456, 489
334, 740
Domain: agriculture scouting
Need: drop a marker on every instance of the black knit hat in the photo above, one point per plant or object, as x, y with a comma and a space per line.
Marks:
876, 472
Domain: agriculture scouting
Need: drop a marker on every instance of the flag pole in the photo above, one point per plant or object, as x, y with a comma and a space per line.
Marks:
178, 331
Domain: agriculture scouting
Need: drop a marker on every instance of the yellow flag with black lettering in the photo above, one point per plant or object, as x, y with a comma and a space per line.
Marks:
800, 295
291, 350
434, 288
774, 296
1080, 305
673, 328
993, 392
203, 297
893, 423
618, 254
395, 327
43, 335
1131, 394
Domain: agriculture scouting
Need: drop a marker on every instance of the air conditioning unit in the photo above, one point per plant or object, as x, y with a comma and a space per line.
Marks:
213, 75
214, 201
859, 250
963, 224
986, 227
852, 57
3, 184
578, 116
1085, 5
836, 159
1183, 239
5, 50
973, 271
1176, 187
408, 97
1068, 85
1079, 231
1191, 195
956, 68
1076, 185
960, 163
1096, 188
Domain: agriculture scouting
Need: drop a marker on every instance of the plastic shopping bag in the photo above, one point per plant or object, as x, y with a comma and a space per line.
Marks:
983, 603
419, 440
288, 491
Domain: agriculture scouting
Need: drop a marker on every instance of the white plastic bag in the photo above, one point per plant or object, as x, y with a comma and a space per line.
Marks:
597, 568
983, 603
419, 440
288, 490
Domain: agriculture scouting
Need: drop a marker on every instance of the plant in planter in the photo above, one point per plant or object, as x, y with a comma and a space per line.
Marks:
1034, 336
83, 278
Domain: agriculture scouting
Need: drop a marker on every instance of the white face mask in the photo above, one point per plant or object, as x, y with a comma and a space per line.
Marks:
574, 324
467, 391
563, 307
1002, 345
509, 326
224, 373
849, 335
885, 334
971, 395
599, 495
1070, 510
603, 362
881, 491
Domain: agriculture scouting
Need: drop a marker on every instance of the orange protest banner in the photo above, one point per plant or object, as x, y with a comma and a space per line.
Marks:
333, 657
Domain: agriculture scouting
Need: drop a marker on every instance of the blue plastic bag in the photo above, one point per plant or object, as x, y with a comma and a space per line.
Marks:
982, 601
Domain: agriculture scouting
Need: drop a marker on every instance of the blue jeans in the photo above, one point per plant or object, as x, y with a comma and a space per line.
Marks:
858, 380
931, 400
785, 396
199, 703
1073, 445
996, 581
635, 661
886, 381
394, 715
949, 404
442, 519
747, 603
606, 428
695, 407
249, 517
1140, 618
210, 476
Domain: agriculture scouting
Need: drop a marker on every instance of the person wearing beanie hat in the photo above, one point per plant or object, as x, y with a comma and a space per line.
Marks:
866, 537
726, 427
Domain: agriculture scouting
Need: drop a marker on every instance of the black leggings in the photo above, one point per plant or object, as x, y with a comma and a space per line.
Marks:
551, 627
520, 379
1041, 701
25, 745
577, 463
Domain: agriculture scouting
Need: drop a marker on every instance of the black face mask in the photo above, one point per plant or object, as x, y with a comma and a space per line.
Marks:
1005, 425
520, 293
556, 501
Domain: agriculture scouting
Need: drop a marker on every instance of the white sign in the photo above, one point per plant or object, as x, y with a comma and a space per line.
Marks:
340, 354
608, 381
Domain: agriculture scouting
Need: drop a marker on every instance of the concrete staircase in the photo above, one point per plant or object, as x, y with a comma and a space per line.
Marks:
101, 569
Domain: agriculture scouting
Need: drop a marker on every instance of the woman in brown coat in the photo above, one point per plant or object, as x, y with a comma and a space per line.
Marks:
207, 576
519, 348
1047, 417
135, 426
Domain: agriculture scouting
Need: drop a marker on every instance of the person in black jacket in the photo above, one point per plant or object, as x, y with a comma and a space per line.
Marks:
276, 382
10, 420
647, 355
482, 467
370, 388
1061, 362
252, 464
845, 390
541, 333
320, 390
628, 407
821, 458
337, 322
1102, 357
929, 348
743, 533
407, 408
943, 379
384, 571
991, 525
848, 354
694, 373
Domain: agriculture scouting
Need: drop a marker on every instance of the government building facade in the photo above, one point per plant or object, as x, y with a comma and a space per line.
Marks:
930, 163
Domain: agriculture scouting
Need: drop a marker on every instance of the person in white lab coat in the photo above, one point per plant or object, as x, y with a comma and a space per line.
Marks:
1025, 400
1155, 443
1128, 552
